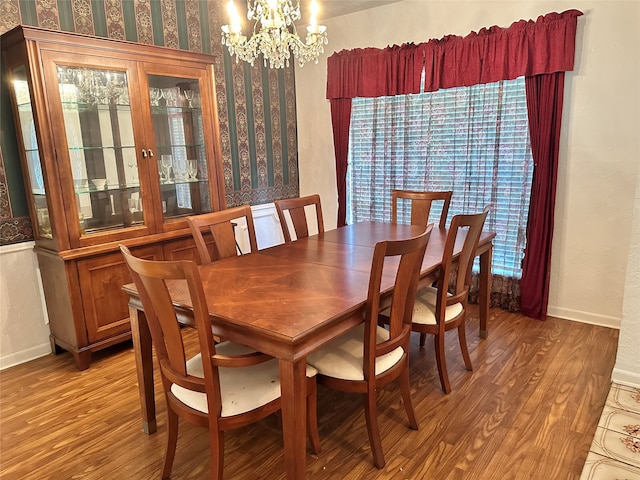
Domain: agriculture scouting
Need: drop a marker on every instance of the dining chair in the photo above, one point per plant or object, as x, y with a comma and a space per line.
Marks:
222, 387
296, 209
437, 311
369, 356
420, 205
222, 228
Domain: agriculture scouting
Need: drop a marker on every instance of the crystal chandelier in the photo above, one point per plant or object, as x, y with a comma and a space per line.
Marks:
274, 33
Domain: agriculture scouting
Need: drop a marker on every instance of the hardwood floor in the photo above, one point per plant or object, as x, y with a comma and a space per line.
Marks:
528, 411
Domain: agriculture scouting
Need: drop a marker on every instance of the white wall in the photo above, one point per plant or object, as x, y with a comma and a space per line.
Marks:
627, 368
24, 333
599, 150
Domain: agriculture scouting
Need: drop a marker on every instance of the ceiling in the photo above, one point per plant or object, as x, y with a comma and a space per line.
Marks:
335, 8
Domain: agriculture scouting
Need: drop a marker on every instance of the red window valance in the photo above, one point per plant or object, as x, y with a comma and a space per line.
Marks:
526, 48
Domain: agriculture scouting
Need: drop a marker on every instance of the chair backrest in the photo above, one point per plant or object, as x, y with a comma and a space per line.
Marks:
150, 278
420, 205
222, 229
473, 225
295, 207
411, 252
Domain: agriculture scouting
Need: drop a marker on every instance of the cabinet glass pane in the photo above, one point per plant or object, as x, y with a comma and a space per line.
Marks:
32, 155
99, 131
180, 145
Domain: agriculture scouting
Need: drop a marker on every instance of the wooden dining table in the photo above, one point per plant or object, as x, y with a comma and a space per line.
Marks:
288, 301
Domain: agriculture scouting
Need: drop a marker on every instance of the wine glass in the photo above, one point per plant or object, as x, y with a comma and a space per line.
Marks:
44, 223
133, 205
155, 95
196, 100
189, 95
171, 96
133, 165
192, 169
166, 163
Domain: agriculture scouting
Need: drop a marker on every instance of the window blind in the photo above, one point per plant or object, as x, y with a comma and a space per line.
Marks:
471, 140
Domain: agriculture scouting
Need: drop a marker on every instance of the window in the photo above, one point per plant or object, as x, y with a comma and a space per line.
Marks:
471, 140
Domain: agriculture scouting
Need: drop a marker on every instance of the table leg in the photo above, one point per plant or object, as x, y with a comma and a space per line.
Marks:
144, 368
485, 288
294, 414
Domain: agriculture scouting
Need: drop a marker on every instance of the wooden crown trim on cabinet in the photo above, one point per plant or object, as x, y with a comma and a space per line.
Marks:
119, 142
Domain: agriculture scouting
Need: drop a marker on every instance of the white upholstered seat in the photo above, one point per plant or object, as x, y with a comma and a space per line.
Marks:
343, 357
241, 389
424, 310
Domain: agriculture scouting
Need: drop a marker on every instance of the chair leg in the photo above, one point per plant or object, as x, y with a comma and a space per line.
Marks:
405, 389
442, 362
423, 338
371, 415
172, 441
462, 337
216, 446
312, 416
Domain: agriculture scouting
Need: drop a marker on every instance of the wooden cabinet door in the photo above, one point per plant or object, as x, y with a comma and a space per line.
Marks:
182, 132
99, 141
105, 305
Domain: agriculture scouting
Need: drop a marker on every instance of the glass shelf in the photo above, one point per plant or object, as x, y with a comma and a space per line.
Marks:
108, 188
116, 147
88, 107
176, 145
184, 182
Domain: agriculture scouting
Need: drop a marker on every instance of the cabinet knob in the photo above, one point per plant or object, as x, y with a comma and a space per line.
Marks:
150, 153
144, 153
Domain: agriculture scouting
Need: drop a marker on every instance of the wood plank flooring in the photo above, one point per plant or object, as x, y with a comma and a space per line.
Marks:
528, 411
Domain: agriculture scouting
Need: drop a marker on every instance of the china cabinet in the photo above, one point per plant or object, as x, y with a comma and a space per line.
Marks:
119, 142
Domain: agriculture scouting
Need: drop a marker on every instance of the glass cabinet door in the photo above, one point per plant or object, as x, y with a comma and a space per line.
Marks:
99, 131
30, 143
180, 145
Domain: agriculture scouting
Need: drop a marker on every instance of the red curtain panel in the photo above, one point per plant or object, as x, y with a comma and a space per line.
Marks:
545, 95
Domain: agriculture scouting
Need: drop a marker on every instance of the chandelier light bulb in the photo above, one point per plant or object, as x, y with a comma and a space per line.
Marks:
314, 13
274, 33
235, 25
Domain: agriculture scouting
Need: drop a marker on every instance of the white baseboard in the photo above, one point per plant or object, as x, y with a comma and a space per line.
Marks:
25, 355
624, 377
584, 317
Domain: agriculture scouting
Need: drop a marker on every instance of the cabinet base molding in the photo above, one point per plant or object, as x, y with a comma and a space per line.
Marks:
82, 356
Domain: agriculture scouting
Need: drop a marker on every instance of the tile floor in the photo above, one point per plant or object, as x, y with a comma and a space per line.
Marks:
615, 450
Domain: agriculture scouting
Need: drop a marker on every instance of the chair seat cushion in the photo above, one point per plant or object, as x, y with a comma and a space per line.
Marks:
241, 389
343, 357
424, 310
